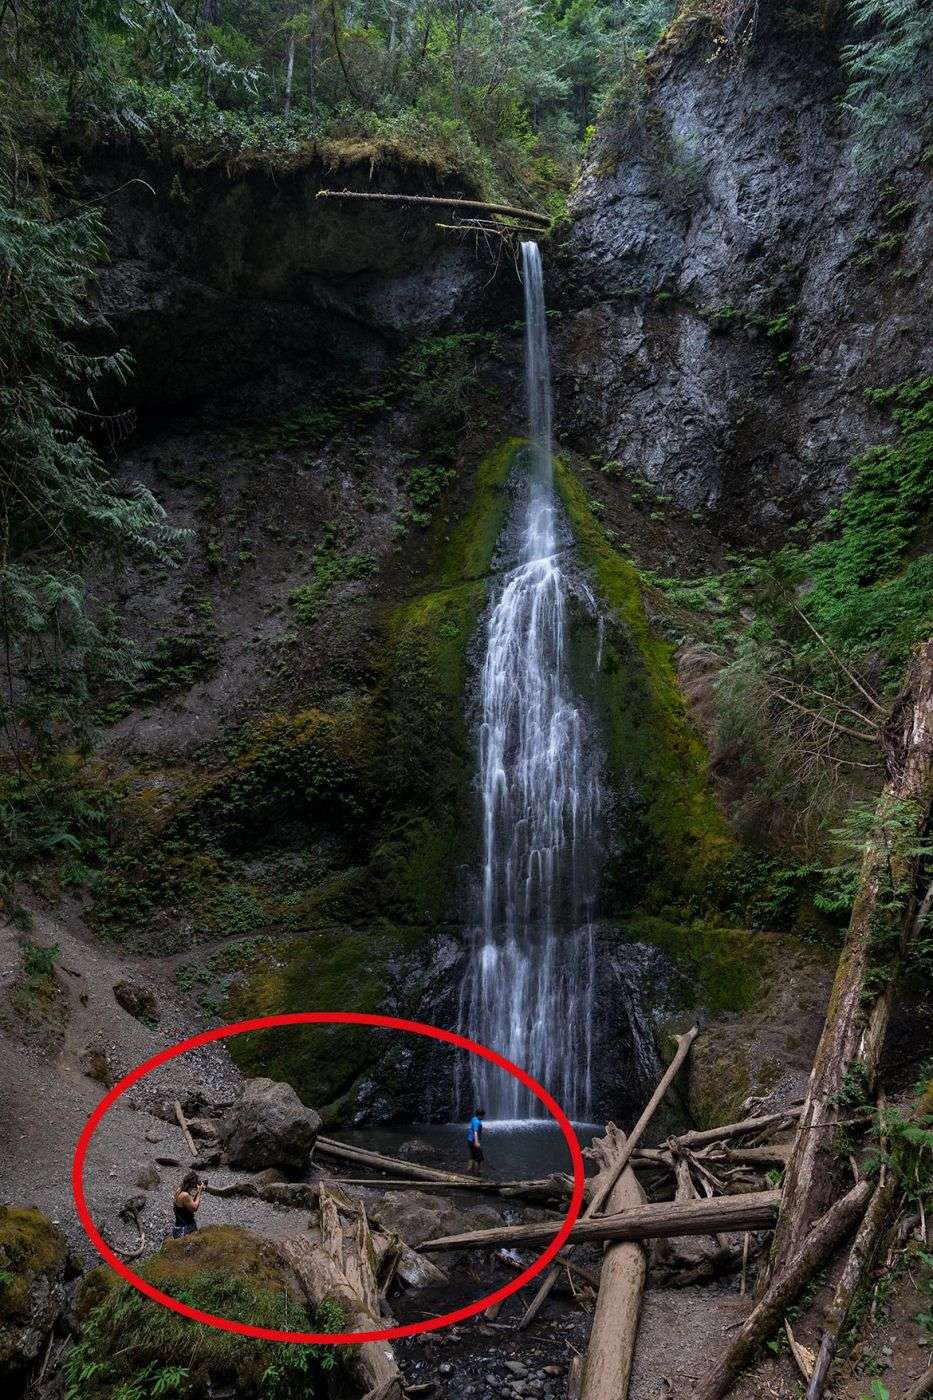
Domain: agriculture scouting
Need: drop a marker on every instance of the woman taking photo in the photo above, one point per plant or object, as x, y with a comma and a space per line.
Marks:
187, 1201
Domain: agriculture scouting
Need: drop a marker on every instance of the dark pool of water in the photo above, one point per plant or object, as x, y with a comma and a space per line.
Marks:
514, 1149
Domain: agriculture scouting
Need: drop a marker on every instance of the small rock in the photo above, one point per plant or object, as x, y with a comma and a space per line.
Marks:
167, 1161
148, 1178
139, 1000
416, 1148
553, 1370
95, 1063
153, 1135
445, 1370
518, 1368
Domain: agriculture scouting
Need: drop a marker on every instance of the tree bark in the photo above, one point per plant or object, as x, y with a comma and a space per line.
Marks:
866, 1241
372, 1365
608, 1179
289, 70
611, 1348
764, 1319
755, 1211
882, 919
434, 200
922, 1387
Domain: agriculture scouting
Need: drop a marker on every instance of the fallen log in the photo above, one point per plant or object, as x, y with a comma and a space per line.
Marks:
413, 1171
183, 1124
611, 1348
371, 1365
608, 1180
775, 1155
543, 221
922, 1387
866, 1241
765, 1318
755, 1211
768, 1121
884, 916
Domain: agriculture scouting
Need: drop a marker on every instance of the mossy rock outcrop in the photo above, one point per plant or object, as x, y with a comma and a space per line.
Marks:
229, 1272
394, 902
657, 763
33, 1255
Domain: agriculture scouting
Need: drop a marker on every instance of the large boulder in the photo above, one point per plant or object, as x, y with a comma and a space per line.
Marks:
33, 1259
415, 1216
270, 1127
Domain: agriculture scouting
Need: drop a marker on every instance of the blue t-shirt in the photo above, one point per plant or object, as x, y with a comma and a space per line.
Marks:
474, 1131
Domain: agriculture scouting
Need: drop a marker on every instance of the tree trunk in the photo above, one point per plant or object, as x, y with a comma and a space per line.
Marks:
846, 1062
289, 70
371, 1365
859, 1259
611, 1348
765, 1318
755, 1211
921, 1387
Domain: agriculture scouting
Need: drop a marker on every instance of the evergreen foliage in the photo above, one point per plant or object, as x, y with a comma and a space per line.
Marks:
833, 620
886, 66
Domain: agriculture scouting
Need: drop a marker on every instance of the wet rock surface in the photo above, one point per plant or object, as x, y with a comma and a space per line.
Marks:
732, 282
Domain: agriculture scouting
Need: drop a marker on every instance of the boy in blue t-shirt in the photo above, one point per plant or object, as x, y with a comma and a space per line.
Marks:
475, 1140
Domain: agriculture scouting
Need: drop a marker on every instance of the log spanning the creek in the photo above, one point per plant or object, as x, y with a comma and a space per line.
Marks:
753, 1211
506, 211
558, 1186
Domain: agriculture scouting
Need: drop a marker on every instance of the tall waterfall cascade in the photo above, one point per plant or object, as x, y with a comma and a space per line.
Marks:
529, 990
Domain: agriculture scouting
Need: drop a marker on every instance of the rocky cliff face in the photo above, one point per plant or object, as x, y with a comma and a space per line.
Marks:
731, 282
218, 278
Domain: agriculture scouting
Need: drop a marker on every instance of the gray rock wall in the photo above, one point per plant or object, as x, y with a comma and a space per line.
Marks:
733, 185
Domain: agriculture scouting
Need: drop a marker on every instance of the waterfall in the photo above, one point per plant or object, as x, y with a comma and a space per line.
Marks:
529, 989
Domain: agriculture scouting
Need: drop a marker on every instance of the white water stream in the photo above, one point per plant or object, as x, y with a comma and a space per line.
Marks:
529, 991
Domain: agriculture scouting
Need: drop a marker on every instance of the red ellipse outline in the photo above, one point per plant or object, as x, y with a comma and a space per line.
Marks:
353, 1018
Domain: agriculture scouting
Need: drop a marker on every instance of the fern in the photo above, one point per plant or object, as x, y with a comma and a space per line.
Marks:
886, 71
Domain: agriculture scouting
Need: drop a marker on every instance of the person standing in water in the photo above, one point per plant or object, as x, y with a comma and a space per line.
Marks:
475, 1140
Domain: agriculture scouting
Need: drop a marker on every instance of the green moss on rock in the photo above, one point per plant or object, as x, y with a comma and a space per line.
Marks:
649, 743
721, 969
31, 1248
32, 1267
229, 1272
420, 783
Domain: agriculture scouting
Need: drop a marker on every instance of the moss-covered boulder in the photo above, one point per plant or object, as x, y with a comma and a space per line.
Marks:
33, 1253
126, 1337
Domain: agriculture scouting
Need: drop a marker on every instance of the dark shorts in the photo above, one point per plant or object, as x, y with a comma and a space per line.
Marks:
179, 1231
476, 1153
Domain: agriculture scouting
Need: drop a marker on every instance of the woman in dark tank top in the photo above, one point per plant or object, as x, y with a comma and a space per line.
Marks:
187, 1201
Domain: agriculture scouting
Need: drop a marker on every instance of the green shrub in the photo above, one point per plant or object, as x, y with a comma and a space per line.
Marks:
132, 1348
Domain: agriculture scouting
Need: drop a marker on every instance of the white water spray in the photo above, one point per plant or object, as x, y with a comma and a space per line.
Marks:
530, 989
